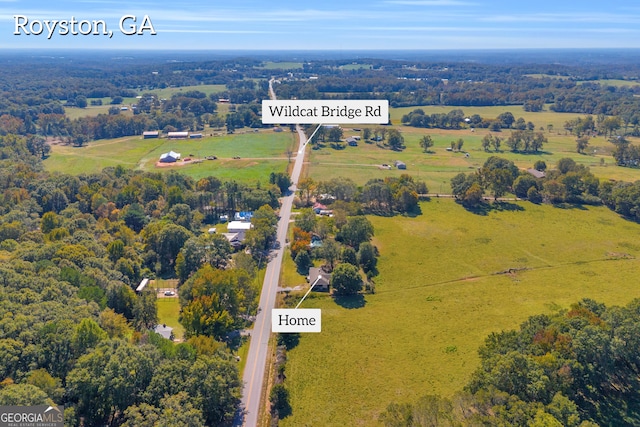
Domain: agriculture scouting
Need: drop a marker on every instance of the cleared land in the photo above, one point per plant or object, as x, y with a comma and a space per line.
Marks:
362, 163
170, 91
260, 154
270, 65
439, 295
168, 314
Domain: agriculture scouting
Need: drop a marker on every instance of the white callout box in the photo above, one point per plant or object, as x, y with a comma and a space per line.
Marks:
361, 111
291, 320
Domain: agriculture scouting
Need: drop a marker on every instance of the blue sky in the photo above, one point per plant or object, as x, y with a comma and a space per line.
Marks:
336, 25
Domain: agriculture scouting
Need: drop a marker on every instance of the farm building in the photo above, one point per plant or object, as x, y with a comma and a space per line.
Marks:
536, 173
170, 157
150, 134
178, 135
195, 136
319, 279
352, 142
400, 165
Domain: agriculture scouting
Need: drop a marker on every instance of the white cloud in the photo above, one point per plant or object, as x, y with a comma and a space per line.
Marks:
609, 18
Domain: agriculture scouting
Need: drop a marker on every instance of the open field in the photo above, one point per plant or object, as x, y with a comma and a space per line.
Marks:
168, 314
603, 82
439, 294
170, 91
361, 163
270, 65
261, 153
540, 118
92, 111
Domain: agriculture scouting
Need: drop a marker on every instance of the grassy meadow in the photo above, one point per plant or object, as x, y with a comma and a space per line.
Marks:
260, 154
441, 290
363, 162
169, 313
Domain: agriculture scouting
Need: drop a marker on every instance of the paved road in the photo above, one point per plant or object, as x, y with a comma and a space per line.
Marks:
254, 370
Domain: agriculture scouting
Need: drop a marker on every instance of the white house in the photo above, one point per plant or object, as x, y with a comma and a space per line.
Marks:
239, 228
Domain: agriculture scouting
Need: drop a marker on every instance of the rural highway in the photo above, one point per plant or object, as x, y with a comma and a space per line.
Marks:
254, 371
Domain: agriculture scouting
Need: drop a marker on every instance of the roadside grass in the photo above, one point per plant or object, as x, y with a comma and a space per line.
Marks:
260, 154
439, 294
289, 276
242, 353
168, 314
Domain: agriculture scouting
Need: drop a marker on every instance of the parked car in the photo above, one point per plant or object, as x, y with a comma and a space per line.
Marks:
169, 293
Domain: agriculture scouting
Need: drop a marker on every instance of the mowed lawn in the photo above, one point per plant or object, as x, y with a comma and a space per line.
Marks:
363, 162
444, 285
169, 313
260, 154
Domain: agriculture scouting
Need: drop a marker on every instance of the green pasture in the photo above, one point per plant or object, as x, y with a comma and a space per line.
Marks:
613, 82
363, 162
260, 154
90, 111
603, 82
540, 118
444, 285
168, 314
170, 91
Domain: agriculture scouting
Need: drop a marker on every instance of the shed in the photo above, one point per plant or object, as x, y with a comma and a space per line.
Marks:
178, 135
150, 134
400, 165
352, 141
319, 279
142, 285
195, 136
536, 173
169, 157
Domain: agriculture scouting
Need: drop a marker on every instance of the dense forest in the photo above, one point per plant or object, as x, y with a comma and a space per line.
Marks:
74, 332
